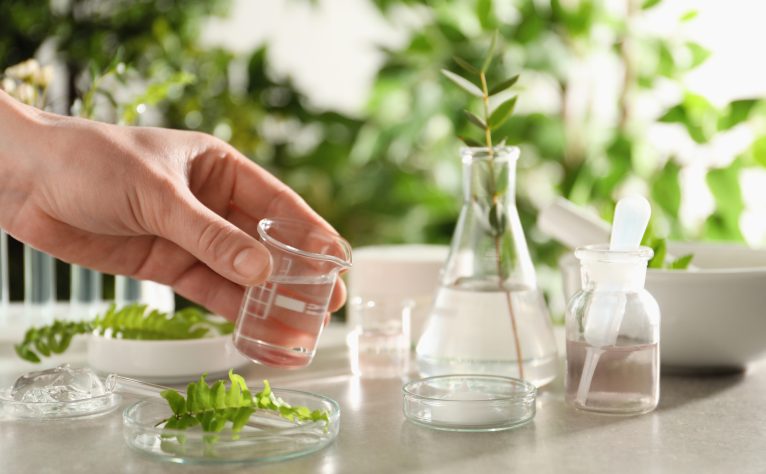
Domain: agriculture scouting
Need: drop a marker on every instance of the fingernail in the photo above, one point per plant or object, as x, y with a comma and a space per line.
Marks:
250, 263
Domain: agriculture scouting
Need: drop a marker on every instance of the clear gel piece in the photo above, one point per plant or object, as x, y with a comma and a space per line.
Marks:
60, 384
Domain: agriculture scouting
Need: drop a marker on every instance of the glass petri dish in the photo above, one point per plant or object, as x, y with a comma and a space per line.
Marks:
87, 407
469, 402
266, 437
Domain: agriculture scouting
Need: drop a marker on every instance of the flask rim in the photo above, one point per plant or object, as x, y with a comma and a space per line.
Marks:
482, 153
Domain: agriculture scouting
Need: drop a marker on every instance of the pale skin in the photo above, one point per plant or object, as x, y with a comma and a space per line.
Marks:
176, 207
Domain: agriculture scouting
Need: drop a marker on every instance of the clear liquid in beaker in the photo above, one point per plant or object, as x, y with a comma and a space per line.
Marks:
282, 319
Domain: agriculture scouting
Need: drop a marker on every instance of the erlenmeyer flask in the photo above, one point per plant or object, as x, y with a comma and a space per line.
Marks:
488, 316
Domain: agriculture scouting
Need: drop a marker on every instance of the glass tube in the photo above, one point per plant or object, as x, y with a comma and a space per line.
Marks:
118, 384
86, 292
5, 297
39, 283
126, 290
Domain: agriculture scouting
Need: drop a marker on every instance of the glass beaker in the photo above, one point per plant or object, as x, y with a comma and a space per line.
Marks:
280, 321
379, 345
488, 316
613, 334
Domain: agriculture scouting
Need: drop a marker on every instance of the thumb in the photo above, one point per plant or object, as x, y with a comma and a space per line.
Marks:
218, 243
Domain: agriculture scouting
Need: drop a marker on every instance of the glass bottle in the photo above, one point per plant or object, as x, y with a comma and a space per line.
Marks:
86, 288
613, 334
488, 315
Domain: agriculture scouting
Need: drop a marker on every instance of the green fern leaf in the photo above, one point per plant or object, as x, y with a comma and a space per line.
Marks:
213, 407
130, 322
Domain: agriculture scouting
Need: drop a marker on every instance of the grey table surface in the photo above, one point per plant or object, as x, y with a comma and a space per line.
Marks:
703, 425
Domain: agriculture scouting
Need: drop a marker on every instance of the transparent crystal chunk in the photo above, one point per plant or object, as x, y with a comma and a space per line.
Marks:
60, 384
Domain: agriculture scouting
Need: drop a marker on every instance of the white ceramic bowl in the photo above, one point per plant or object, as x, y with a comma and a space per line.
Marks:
166, 361
713, 317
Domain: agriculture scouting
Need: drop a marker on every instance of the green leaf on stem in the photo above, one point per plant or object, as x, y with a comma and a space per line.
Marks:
468, 67
26, 353
660, 250
690, 15
497, 219
502, 112
42, 347
724, 184
503, 85
155, 93
649, 4
93, 70
490, 52
501, 183
666, 188
463, 83
471, 142
682, 263
484, 12
699, 54
737, 112
475, 119
758, 150
507, 255
240, 418
175, 400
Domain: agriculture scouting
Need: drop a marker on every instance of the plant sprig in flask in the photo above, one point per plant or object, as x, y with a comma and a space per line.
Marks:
488, 122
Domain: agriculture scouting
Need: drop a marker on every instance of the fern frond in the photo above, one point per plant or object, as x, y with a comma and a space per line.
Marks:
212, 407
130, 322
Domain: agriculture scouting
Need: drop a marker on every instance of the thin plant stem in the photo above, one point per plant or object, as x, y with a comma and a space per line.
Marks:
487, 131
498, 235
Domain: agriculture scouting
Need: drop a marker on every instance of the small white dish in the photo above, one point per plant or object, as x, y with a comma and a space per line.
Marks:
712, 316
164, 361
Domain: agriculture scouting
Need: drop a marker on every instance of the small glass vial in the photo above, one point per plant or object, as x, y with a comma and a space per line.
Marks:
379, 344
613, 334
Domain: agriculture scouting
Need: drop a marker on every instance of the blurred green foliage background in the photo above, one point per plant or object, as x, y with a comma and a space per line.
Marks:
392, 173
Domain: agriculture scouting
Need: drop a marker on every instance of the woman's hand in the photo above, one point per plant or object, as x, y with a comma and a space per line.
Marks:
176, 207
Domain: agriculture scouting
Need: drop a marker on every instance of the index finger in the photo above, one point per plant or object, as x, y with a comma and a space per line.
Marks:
260, 194
257, 194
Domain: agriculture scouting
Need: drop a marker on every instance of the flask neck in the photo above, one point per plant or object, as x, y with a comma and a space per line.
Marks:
488, 246
489, 175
